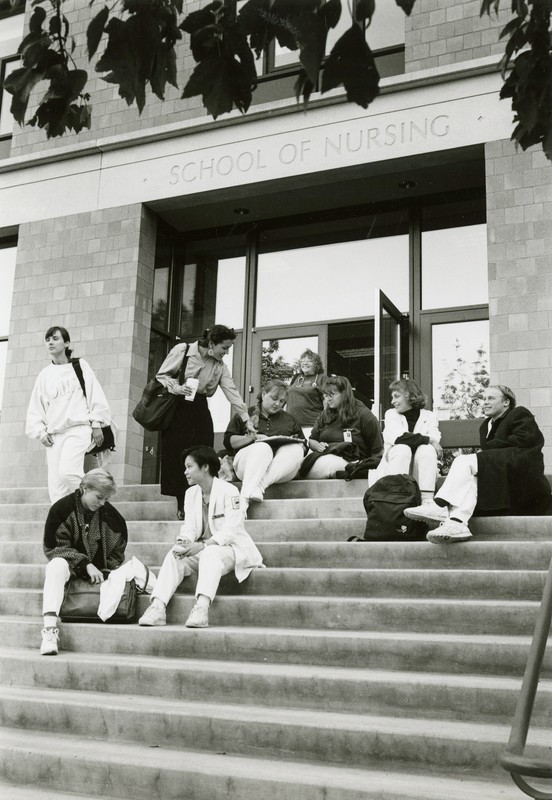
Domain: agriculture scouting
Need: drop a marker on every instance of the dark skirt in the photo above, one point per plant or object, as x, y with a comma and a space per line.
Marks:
192, 424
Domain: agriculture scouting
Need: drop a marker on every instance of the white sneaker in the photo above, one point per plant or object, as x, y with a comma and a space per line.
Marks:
428, 512
257, 495
153, 615
449, 532
50, 641
199, 617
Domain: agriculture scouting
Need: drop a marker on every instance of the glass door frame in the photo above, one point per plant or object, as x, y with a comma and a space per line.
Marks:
384, 305
258, 335
457, 432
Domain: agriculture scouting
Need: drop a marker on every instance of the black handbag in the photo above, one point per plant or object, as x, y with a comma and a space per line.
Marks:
156, 408
82, 599
108, 435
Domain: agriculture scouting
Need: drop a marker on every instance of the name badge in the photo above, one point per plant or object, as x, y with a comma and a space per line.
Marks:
236, 503
347, 436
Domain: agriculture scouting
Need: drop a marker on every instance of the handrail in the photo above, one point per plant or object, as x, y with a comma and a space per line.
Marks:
513, 759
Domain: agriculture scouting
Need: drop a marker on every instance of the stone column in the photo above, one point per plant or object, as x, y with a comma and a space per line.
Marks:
519, 214
92, 273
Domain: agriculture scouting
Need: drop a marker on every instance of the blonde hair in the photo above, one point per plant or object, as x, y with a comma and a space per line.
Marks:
99, 480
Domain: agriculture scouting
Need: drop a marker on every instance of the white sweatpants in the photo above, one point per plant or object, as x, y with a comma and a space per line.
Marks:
400, 461
58, 573
460, 487
65, 459
258, 466
211, 563
326, 467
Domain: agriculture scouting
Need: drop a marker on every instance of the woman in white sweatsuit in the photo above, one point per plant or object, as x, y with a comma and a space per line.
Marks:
411, 439
62, 418
212, 541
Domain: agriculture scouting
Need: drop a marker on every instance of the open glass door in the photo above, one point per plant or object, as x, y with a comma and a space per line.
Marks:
387, 350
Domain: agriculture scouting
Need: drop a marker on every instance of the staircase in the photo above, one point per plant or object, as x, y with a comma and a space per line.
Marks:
341, 672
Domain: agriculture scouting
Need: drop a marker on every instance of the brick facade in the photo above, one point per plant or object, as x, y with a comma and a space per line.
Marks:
519, 210
93, 273
440, 32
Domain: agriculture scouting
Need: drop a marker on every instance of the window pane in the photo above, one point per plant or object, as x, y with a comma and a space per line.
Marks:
7, 272
6, 119
160, 310
460, 365
331, 282
212, 292
280, 357
454, 267
387, 27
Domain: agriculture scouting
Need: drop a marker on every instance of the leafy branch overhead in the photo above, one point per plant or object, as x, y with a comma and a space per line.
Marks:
133, 44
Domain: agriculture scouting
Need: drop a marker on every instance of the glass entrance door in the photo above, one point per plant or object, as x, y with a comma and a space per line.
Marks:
276, 351
387, 350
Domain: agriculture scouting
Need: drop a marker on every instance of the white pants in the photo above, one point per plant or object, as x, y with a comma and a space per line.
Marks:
460, 487
65, 459
326, 467
58, 573
258, 466
211, 563
400, 461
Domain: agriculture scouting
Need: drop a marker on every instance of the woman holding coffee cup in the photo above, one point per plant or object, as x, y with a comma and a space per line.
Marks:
203, 372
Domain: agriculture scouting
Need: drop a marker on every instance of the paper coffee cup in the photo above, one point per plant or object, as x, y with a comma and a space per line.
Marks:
193, 384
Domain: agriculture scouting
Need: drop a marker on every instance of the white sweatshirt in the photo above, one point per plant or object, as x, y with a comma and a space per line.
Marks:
57, 401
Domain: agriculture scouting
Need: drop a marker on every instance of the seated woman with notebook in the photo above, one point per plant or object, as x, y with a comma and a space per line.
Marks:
274, 453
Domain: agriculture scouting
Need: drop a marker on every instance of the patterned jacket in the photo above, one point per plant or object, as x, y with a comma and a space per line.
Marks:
100, 540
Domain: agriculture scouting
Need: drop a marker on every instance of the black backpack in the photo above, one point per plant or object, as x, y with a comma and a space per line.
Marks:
385, 502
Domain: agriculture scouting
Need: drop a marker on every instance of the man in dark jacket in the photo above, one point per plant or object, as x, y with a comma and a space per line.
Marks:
505, 477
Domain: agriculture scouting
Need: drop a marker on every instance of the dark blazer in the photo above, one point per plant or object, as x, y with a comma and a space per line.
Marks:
511, 466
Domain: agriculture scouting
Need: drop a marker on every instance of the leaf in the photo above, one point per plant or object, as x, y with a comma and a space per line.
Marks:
331, 12
199, 19
407, 5
254, 21
222, 83
365, 10
352, 65
303, 86
312, 33
20, 84
487, 5
37, 18
95, 31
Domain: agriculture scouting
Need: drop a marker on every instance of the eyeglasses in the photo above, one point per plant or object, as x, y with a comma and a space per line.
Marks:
329, 395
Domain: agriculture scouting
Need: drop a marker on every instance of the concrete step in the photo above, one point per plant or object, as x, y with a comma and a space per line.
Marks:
483, 654
143, 773
151, 491
413, 555
315, 507
355, 740
262, 530
345, 613
464, 697
9, 791
453, 583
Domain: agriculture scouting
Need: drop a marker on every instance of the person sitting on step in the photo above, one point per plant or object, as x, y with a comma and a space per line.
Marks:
84, 536
211, 543
505, 477
345, 431
261, 460
411, 439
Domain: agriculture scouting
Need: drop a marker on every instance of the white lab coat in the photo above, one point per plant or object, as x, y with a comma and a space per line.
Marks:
225, 522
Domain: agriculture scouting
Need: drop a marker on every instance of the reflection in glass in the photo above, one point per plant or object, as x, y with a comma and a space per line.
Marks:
331, 282
280, 357
389, 357
460, 364
160, 307
454, 267
7, 272
213, 291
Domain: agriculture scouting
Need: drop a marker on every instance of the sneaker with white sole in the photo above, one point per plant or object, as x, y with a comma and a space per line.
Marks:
153, 615
199, 617
450, 532
428, 512
50, 641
